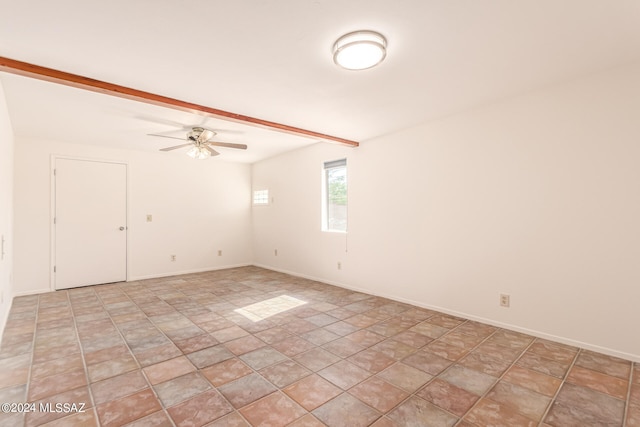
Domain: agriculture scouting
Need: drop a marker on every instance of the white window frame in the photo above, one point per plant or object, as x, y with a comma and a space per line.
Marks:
325, 194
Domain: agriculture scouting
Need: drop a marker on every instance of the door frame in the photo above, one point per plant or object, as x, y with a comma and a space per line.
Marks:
52, 210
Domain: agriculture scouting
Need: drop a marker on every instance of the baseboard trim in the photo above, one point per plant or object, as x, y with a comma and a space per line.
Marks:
179, 273
150, 276
515, 328
32, 292
5, 319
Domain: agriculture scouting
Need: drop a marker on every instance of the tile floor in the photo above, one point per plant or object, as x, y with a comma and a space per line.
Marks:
174, 351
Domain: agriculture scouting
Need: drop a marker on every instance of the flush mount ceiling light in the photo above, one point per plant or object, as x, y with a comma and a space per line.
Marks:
360, 50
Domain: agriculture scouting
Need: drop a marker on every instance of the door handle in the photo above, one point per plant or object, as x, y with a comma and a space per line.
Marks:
121, 229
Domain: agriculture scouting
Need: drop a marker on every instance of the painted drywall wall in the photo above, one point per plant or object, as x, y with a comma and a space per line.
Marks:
535, 196
198, 208
6, 211
292, 221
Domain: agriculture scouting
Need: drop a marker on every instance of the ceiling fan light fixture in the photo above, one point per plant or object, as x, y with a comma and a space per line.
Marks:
199, 143
198, 152
360, 50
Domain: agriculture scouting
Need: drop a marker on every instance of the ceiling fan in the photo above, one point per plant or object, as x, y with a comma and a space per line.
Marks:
200, 141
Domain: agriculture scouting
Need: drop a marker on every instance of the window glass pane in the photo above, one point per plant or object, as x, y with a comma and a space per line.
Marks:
261, 197
336, 202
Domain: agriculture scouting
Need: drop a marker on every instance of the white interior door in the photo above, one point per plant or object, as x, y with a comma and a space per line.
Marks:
90, 223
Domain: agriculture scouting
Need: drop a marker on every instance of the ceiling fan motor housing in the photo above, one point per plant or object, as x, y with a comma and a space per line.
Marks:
200, 135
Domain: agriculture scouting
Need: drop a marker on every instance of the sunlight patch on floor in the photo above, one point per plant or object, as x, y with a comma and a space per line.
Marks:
267, 308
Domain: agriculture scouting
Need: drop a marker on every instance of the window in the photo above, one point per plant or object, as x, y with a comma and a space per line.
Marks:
335, 196
260, 197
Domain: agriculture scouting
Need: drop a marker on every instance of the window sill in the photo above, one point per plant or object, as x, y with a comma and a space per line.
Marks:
334, 231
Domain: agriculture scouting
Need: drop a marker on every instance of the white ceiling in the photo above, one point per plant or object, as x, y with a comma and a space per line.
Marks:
40, 109
271, 59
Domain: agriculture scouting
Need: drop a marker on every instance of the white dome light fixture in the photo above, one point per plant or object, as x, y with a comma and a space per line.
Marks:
360, 50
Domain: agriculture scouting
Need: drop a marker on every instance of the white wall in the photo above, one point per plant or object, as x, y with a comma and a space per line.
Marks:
198, 208
536, 196
6, 210
291, 223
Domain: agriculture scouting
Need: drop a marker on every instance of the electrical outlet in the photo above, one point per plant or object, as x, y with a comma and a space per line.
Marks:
220, 253
505, 300
173, 258
339, 265
275, 252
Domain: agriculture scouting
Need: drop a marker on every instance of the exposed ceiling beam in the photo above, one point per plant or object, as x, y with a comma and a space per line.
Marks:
48, 74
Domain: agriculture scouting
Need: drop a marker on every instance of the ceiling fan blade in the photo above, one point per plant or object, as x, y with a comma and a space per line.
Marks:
162, 121
227, 131
175, 147
228, 145
211, 150
205, 135
165, 136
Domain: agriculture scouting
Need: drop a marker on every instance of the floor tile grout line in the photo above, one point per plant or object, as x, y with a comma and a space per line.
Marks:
84, 363
389, 316
414, 393
340, 359
253, 370
514, 363
628, 400
288, 358
553, 399
313, 372
155, 325
68, 304
278, 389
100, 300
410, 394
164, 408
562, 383
133, 354
548, 407
478, 344
425, 385
461, 419
32, 356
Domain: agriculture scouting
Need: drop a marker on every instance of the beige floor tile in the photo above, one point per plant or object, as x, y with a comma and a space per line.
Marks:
172, 351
